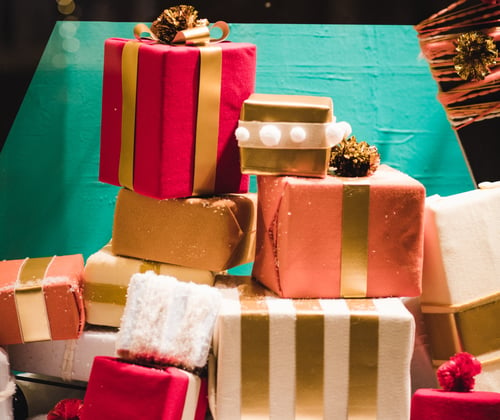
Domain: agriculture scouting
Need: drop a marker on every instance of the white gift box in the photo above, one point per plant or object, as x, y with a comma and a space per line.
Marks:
106, 278
461, 247
66, 359
319, 358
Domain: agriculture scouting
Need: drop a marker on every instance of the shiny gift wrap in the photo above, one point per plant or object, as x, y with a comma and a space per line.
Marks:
340, 237
473, 327
309, 114
41, 299
120, 390
169, 115
309, 359
106, 278
212, 233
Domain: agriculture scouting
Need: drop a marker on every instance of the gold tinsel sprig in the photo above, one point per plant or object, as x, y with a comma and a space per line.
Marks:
476, 52
175, 19
353, 159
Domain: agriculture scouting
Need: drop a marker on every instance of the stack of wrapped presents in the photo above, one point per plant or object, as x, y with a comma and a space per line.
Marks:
360, 285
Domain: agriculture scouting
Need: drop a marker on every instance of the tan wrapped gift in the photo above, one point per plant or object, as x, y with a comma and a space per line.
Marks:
212, 233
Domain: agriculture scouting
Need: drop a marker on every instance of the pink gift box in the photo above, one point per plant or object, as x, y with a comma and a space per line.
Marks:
157, 155
122, 390
340, 237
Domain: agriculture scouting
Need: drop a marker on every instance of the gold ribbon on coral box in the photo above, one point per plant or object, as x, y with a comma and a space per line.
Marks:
207, 122
472, 327
354, 248
309, 358
30, 300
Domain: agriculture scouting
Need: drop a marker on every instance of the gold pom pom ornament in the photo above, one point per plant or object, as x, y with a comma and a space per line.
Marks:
476, 53
175, 19
351, 158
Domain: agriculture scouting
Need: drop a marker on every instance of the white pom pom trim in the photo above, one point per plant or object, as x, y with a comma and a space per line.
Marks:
298, 135
242, 134
270, 135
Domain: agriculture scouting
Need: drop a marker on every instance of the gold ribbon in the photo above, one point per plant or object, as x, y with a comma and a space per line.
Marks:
115, 293
255, 368
309, 359
354, 254
363, 360
473, 327
31, 308
105, 293
207, 124
130, 59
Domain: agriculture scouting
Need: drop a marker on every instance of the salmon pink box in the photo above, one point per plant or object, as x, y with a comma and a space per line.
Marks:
169, 114
41, 299
340, 236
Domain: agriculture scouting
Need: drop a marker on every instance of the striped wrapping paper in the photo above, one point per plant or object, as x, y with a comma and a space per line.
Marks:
309, 358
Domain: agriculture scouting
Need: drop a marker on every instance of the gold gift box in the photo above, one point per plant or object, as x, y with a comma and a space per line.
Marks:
211, 233
309, 114
472, 327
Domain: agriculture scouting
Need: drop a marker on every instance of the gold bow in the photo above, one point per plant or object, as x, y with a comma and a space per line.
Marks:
197, 36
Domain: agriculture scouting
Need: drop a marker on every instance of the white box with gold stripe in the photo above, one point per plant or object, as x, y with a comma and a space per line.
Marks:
309, 358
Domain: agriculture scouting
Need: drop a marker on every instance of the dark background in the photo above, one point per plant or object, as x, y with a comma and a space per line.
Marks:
25, 26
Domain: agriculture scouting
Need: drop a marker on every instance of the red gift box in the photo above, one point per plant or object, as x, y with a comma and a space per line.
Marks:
122, 390
157, 108
41, 299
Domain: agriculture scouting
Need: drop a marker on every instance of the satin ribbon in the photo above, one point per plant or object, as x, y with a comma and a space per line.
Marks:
33, 319
207, 124
354, 248
472, 327
115, 293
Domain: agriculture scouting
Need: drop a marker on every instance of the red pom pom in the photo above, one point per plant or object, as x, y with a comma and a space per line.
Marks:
69, 409
458, 373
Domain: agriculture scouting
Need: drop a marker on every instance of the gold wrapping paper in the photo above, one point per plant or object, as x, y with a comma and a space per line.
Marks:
207, 124
212, 233
472, 327
291, 108
305, 162
30, 300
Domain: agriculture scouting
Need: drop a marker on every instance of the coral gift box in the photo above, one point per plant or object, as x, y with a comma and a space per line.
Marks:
41, 299
169, 114
106, 278
340, 237
210, 233
121, 390
309, 358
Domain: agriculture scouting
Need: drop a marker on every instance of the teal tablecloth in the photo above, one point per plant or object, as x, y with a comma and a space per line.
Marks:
51, 201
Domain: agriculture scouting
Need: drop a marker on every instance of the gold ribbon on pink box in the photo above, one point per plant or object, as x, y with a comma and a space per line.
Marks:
354, 249
29, 298
209, 88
